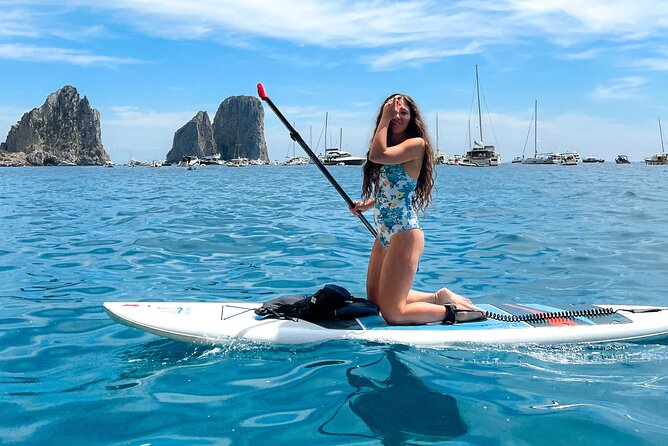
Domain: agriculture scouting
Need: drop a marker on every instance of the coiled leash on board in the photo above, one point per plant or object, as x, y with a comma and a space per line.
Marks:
586, 312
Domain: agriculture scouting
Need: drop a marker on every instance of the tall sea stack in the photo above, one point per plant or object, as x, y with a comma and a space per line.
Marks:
193, 139
238, 129
66, 129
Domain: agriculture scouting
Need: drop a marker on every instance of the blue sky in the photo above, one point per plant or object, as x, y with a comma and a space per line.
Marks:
599, 69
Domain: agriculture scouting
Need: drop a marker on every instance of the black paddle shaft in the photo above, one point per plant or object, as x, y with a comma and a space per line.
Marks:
299, 140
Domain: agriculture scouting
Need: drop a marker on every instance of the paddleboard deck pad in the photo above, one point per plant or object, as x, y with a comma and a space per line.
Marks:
222, 322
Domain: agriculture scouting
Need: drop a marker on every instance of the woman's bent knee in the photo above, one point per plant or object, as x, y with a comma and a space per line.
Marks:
392, 317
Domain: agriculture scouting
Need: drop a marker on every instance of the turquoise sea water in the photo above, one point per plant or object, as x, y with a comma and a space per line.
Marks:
74, 237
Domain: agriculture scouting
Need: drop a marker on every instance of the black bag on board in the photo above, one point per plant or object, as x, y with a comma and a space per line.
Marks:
330, 303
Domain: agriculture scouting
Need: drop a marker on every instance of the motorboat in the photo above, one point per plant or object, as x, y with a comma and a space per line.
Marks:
337, 157
212, 160
622, 159
454, 161
296, 161
237, 162
571, 154
189, 161
568, 159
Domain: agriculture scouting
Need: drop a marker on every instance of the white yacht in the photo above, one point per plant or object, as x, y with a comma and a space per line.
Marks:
568, 159
480, 155
189, 161
296, 161
659, 157
337, 157
237, 162
543, 158
571, 155
212, 160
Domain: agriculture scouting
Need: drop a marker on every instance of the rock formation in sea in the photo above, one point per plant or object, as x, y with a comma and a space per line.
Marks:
66, 129
238, 129
193, 139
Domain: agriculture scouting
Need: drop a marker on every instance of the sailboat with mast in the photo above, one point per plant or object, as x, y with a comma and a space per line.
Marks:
335, 156
439, 158
544, 158
481, 155
658, 158
294, 160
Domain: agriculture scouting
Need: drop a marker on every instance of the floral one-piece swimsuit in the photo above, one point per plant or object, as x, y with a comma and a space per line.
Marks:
393, 209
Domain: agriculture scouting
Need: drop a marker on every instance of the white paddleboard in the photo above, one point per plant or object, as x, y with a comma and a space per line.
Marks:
222, 322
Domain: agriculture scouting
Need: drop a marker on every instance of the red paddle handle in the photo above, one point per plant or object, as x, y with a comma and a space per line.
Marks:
261, 91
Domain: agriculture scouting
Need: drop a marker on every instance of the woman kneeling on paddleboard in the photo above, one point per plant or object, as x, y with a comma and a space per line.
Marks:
398, 179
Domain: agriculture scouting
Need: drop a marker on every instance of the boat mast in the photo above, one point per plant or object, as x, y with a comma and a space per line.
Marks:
294, 146
437, 132
535, 129
477, 87
661, 134
340, 138
326, 115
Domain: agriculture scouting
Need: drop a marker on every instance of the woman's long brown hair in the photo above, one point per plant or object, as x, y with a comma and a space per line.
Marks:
416, 128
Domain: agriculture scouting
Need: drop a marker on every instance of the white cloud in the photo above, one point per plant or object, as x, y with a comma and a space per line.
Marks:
653, 63
418, 56
657, 63
31, 53
618, 19
622, 88
17, 23
373, 24
321, 23
384, 33
582, 55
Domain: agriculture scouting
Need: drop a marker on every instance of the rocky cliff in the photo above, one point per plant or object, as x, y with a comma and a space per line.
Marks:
194, 138
238, 129
66, 129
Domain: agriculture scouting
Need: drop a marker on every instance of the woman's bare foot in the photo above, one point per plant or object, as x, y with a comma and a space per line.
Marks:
445, 296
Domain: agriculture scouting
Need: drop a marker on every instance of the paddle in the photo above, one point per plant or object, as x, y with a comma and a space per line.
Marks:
297, 138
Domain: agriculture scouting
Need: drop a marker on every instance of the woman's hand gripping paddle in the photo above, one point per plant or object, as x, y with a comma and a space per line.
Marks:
299, 140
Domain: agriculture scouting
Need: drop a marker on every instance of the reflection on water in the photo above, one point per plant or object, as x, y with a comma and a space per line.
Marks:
399, 407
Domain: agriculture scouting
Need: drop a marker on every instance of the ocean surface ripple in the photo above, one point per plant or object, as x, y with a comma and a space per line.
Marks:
74, 237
